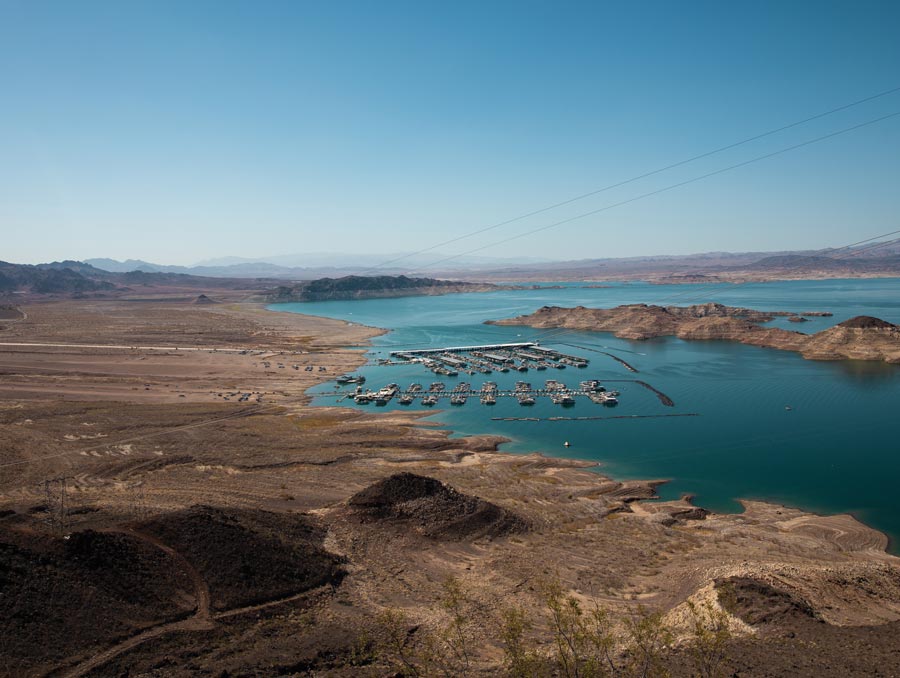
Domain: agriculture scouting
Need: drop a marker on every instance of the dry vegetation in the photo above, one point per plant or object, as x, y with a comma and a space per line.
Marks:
198, 536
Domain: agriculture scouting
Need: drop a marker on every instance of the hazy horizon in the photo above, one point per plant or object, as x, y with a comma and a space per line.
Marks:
351, 259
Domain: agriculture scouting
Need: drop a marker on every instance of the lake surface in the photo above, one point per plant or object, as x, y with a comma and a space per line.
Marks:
836, 450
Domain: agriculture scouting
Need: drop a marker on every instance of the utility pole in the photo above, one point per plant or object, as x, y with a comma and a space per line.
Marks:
57, 503
138, 500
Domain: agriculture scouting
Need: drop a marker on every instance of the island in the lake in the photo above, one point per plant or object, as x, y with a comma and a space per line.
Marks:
859, 338
371, 287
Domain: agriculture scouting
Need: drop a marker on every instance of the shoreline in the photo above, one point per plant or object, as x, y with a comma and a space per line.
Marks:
592, 466
178, 453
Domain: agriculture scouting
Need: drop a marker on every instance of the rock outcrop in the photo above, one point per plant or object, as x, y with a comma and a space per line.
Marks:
860, 338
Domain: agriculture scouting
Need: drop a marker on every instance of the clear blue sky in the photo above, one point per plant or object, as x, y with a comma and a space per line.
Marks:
179, 131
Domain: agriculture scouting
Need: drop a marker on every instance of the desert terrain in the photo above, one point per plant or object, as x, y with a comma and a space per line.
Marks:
172, 505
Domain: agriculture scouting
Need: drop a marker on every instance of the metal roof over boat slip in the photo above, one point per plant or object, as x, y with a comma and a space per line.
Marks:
463, 349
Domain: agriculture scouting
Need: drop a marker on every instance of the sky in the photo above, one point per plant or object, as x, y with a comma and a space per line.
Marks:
176, 132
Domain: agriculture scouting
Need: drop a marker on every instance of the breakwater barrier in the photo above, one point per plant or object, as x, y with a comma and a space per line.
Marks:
619, 416
663, 398
628, 366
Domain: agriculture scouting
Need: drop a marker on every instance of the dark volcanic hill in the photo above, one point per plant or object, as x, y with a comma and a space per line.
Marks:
433, 509
49, 279
371, 287
248, 556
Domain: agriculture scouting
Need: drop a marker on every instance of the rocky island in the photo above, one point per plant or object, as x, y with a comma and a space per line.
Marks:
859, 338
370, 287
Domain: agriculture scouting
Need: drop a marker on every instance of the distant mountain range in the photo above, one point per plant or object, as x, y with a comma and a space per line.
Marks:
99, 276
77, 278
59, 278
339, 260
240, 270
882, 259
308, 266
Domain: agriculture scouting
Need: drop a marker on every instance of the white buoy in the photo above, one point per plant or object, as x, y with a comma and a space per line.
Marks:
566, 443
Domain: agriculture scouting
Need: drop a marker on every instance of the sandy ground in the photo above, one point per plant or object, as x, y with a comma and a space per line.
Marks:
139, 431
167, 352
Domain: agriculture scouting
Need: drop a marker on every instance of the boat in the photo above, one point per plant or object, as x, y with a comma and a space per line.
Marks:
351, 379
563, 398
384, 395
460, 393
489, 393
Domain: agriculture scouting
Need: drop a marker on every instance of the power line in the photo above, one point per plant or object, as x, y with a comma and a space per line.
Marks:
693, 295
560, 332
800, 264
671, 187
557, 332
638, 177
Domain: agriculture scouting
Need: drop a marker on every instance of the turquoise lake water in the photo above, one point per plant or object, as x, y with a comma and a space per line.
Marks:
836, 450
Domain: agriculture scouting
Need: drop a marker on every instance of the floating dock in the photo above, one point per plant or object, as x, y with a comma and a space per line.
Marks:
556, 391
485, 358
424, 352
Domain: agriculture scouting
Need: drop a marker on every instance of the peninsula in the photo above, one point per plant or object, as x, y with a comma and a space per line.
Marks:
859, 338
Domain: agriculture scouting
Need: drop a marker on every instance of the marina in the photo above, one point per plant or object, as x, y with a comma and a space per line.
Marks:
728, 384
557, 392
504, 358
486, 359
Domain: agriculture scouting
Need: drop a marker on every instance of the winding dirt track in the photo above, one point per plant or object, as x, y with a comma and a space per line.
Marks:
201, 589
202, 619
